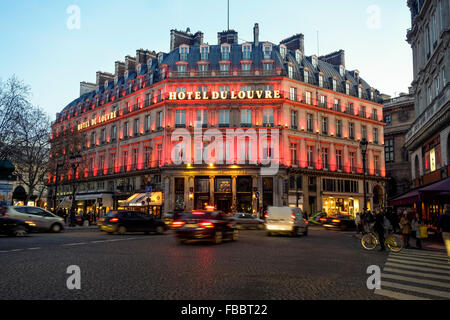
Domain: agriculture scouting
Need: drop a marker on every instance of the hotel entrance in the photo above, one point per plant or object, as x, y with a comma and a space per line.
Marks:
223, 195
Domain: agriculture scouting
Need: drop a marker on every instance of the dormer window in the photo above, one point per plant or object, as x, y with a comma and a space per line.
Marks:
290, 71
267, 50
246, 66
283, 51
181, 68
184, 51
334, 84
359, 92
306, 76
204, 52
342, 70
320, 80
225, 50
246, 51
298, 56
347, 88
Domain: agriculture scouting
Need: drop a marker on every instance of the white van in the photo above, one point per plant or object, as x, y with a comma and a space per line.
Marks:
286, 220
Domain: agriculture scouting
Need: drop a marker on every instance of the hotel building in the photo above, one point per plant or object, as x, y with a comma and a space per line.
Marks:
240, 126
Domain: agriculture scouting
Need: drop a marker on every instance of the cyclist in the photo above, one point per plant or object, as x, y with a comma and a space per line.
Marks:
379, 228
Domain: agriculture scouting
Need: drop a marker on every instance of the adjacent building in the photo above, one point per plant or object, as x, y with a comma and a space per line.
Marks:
428, 140
237, 126
399, 115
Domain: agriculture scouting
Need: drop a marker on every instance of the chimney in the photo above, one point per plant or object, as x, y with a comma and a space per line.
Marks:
86, 87
256, 35
177, 38
296, 42
101, 77
336, 58
130, 63
229, 36
119, 68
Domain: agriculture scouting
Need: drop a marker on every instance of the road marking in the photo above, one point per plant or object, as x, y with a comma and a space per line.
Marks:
422, 256
37, 248
75, 244
421, 281
415, 268
98, 241
424, 253
414, 262
398, 295
429, 276
419, 274
437, 293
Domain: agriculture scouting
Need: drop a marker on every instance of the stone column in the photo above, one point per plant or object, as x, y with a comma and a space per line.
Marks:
211, 190
233, 190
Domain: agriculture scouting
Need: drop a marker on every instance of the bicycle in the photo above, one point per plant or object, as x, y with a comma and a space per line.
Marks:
393, 242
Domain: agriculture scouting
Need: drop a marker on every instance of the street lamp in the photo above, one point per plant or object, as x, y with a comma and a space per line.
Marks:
363, 144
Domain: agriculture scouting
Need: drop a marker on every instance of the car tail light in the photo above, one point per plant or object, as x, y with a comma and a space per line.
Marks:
336, 220
306, 221
177, 224
114, 220
207, 225
266, 215
292, 216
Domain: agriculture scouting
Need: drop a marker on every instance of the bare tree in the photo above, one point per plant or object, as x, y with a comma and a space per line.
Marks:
31, 147
14, 101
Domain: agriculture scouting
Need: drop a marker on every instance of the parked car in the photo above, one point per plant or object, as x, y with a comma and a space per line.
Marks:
124, 221
202, 225
38, 218
286, 220
12, 227
247, 221
341, 221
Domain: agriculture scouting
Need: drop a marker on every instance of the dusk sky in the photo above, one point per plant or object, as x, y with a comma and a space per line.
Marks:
39, 47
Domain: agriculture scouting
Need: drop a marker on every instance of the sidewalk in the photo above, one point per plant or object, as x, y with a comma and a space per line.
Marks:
427, 245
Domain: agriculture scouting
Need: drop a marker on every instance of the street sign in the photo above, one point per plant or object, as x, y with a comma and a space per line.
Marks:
148, 189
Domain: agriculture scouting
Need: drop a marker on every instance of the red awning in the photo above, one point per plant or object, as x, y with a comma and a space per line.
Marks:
436, 190
406, 199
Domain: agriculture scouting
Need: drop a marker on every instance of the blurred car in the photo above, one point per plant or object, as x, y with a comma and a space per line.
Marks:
124, 221
202, 225
341, 221
318, 218
170, 217
247, 221
286, 220
35, 217
12, 227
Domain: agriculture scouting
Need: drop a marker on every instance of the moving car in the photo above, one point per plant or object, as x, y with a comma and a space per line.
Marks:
287, 220
246, 220
125, 221
12, 227
341, 221
201, 225
38, 218
170, 217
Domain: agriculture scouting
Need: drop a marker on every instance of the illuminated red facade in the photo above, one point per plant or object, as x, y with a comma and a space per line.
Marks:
203, 125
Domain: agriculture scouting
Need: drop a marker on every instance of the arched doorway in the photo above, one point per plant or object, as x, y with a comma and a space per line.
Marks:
19, 195
377, 197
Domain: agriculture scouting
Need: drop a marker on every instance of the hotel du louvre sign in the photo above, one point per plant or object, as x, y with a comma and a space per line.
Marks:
223, 95
100, 119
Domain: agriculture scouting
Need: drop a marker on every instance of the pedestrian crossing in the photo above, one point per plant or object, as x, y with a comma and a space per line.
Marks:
416, 275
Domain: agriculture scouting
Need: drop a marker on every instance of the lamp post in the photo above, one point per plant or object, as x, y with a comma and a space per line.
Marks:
75, 161
58, 165
363, 144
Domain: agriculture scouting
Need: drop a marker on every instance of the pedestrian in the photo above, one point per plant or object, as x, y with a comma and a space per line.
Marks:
358, 223
444, 226
405, 225
415, 227
379, 228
